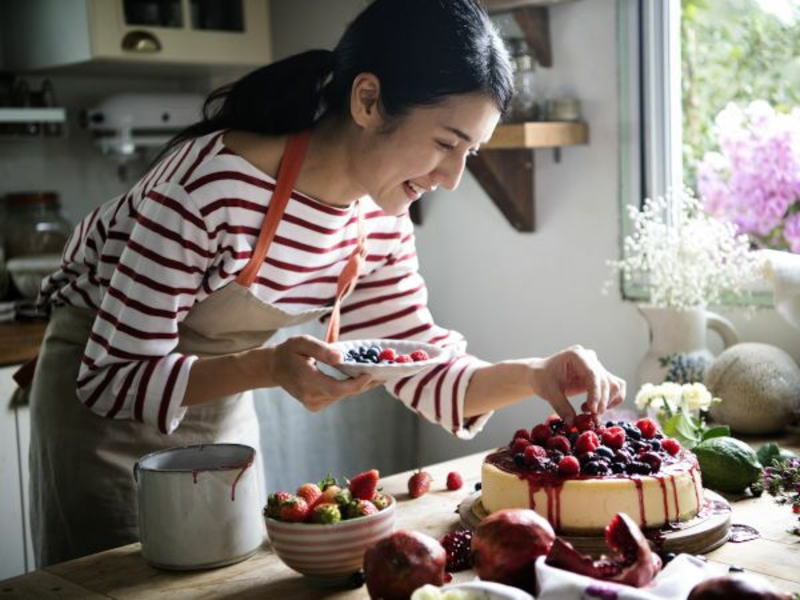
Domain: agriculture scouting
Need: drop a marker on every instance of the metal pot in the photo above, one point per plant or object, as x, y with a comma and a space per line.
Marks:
199, 506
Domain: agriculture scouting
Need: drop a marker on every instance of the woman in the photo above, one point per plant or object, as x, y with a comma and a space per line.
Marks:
287, 203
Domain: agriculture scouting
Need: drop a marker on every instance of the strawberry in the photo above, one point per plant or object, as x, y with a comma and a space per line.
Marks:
519, 445
360, 508
586, 442
560, 443
418, 355
540, 434
309, 492
403, 358
274, 503
329, 494
614, 437
381, 501
569, 465
648, 428
671, 446
584, 422
326, 514
294, 510
387, 354
454, 481
363, 485
419, 484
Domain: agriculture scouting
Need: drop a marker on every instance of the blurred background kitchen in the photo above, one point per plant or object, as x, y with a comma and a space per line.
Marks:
90, 88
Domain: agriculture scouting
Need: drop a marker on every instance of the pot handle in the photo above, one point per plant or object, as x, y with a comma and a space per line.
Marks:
136, 472
723, 327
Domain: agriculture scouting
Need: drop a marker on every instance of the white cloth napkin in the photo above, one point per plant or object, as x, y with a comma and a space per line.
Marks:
675, 580
783, 269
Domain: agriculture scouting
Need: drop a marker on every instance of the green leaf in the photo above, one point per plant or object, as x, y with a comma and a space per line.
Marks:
718, 431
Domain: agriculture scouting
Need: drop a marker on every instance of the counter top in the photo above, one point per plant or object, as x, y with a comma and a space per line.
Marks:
122, 573
19, 342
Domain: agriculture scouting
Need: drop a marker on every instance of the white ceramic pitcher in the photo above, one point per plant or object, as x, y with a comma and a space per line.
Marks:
199, 506
680, 333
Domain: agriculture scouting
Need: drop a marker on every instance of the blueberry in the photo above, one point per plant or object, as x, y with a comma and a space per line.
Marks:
609, 424
655, 445
519, 460
591, 468
617, 467
372, 354
373, 359
633, 432
556, 425
604, 452
573, 437
586, 457
555, 455
389, 362
478, 486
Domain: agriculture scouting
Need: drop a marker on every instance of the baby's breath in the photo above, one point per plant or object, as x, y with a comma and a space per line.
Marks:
683, 257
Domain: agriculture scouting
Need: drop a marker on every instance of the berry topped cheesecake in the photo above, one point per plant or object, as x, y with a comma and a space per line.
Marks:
580, 477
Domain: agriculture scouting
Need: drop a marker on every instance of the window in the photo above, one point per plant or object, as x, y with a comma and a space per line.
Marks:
710, 98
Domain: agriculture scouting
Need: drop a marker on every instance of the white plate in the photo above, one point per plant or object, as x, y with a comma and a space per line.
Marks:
382, 371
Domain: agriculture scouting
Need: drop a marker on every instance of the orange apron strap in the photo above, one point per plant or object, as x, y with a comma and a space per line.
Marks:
291, 162
347, 279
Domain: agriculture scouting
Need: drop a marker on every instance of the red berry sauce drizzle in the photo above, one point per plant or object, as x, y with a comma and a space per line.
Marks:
242, 468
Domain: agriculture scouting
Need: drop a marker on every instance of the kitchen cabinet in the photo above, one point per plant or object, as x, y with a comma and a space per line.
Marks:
161, 36
16, 553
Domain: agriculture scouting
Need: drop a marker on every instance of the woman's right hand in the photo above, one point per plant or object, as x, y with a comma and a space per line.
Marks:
293, 367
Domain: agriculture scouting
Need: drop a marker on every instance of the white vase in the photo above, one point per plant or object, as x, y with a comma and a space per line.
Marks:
678, 350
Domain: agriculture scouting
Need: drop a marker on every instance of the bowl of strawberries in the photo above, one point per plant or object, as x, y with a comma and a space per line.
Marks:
322, 530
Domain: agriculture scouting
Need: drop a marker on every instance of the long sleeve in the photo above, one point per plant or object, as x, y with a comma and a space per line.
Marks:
130, 369
392, 302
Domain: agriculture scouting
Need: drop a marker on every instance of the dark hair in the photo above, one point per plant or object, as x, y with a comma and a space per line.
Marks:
422, 51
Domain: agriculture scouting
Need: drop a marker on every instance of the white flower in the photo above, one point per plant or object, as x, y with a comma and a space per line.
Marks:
696, 397
683, 257
664, 397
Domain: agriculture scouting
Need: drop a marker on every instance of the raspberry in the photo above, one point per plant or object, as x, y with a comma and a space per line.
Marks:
533, 454
671, 446
614, 437
796, 508
457, 546
648, 428
584, 422
586, 442
521, 433
454, 481
652, 459
403, 358
387, 354
418, 355
569, 466
519, 445
540, 434
560, 443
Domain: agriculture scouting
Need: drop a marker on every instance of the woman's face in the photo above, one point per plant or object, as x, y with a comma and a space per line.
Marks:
426, 149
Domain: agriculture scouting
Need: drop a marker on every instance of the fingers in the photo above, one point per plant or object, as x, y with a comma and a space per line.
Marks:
561, 405
316, 349
584, 372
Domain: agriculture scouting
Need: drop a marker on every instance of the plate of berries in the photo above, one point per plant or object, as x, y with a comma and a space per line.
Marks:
384, 359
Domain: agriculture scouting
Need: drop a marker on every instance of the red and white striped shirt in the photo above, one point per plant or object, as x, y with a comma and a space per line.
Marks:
186, 229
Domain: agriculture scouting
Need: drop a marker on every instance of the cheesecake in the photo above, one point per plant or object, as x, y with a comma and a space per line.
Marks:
580, 477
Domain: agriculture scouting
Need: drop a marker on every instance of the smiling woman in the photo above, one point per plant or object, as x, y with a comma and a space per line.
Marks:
287, 203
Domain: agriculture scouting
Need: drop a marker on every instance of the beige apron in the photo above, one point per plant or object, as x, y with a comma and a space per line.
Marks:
83, 498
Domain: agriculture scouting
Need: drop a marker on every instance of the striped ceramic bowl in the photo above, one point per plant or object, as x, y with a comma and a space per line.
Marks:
329, 553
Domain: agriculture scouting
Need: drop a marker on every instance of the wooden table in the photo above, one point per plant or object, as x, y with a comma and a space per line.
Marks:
121, 573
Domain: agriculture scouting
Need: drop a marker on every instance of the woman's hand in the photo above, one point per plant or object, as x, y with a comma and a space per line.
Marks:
293, 367
576, 370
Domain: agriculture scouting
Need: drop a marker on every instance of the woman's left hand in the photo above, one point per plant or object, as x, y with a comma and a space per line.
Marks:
573, 371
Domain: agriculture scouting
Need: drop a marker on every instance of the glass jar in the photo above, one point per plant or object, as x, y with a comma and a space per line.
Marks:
34, 225
524, 103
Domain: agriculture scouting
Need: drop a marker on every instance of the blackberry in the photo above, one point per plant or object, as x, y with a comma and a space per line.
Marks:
457, 545
621, 457
519, 460
637, 468
592, 468
652, 459
573, 437
586, 457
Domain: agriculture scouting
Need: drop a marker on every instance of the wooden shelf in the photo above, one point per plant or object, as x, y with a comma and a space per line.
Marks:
19, 342
504, 166
538, 135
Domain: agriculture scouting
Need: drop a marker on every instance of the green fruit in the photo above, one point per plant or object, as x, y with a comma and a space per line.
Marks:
727, 464
771, 451
326, 514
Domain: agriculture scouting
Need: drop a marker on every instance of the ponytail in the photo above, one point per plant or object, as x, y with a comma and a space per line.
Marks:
283, 97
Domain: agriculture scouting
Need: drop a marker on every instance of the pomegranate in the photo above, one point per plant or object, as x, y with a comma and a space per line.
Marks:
633, 563
506, 544
400, 563
739, 587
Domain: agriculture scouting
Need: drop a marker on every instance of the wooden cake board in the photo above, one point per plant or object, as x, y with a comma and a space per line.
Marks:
707, 531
